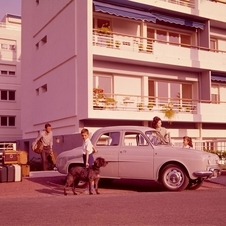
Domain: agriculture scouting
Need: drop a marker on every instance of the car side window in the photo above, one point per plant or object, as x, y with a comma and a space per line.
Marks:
109, 139
134, 139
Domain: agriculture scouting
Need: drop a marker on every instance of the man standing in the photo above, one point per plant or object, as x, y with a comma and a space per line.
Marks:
46, 137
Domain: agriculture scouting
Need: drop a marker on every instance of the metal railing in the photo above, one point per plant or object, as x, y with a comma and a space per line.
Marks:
187, 3
109, 101
119, 41
125, 42
217, 146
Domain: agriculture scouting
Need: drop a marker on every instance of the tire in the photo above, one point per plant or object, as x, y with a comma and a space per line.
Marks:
195, 184
174, 178
105, 181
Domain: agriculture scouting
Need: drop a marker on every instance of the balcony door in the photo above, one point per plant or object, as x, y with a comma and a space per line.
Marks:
162, 92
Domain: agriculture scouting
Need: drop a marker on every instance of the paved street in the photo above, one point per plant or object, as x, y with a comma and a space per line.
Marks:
40, 201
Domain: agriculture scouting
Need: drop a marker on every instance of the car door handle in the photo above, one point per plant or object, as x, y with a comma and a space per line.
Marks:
123, 151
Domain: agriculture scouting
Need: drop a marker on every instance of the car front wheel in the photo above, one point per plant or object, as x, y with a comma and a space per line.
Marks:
174, 178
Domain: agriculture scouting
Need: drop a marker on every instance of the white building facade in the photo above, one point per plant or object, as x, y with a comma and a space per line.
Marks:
97, 63
10, 79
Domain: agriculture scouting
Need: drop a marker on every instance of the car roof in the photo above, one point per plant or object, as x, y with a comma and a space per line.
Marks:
141, 128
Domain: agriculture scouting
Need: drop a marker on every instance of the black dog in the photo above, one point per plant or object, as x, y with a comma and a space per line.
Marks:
90, 174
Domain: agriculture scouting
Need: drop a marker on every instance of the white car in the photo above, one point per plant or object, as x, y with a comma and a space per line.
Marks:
138, 152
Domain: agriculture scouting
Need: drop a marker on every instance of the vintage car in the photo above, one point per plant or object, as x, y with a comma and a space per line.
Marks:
139, 152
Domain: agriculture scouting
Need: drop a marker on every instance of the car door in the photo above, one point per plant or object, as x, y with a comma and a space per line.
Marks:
136, 156
107, 145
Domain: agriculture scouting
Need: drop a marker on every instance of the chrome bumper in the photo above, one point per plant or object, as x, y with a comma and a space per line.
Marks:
212, 173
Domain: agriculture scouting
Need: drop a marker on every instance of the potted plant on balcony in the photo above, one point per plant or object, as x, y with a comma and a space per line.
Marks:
149, 48
98, 96
117, 44
110, 102
140, 46
140, 106
150, 106
109, 43
168, 111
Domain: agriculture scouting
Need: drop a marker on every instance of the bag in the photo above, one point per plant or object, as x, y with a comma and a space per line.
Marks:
37, 147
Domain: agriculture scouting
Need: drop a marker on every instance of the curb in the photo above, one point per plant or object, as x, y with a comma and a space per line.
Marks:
38, 174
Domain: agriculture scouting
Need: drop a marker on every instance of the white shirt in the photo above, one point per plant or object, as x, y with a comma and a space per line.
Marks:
87, 147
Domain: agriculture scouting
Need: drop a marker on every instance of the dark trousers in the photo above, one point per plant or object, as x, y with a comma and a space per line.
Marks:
46, 158
90, 159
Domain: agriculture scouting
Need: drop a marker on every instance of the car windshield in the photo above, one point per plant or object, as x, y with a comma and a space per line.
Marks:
155, 138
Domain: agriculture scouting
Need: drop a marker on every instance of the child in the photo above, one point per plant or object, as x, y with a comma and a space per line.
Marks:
87, 148
187, 142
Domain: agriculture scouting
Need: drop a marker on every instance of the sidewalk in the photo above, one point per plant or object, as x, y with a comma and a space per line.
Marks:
219, 180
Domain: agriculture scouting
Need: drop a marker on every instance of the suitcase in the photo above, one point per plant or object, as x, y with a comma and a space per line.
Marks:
3, 174
25, 170
18, 176
10, 157
21, 157
10, 173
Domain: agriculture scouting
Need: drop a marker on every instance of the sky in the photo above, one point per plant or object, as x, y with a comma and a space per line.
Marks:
10, 7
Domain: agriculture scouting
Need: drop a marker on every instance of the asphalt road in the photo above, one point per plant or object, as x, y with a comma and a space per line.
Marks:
40, 201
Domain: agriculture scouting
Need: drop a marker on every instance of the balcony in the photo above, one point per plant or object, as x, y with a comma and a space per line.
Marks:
186, 3
159, 52
176, 109
9, 27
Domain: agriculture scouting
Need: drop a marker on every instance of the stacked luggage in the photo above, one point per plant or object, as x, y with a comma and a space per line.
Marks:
14, 166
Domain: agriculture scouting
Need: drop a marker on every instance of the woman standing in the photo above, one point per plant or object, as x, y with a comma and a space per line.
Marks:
157, 124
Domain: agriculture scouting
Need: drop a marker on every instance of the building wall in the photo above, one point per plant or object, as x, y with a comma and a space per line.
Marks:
10, 76
60, 62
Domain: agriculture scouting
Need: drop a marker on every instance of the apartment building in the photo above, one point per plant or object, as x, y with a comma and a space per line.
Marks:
10, 79
122, 62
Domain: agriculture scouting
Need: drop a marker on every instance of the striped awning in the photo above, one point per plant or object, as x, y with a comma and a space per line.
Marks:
178, 20
217, 78
124, 12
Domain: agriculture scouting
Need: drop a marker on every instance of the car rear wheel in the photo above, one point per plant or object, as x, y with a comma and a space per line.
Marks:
174, 178
195, 184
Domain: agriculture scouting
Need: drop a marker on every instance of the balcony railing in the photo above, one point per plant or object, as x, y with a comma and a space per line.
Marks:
186, 3
9, 27
124, 42
119, 102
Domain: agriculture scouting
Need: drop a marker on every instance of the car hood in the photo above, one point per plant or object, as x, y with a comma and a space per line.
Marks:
75, 152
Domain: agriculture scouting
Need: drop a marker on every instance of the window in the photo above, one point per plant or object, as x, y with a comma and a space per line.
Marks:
12, 72
44, 88
134, 139
11, 95
185, 40
4, 46
12, 47
173, 37
3, 95
103, 82
109, 139
166, 90
7, 95
155, 137
7, 120
4, 72
213, 45
44, 39
161, 35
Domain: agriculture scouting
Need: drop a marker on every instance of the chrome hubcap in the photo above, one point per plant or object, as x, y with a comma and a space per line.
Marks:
174, 178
